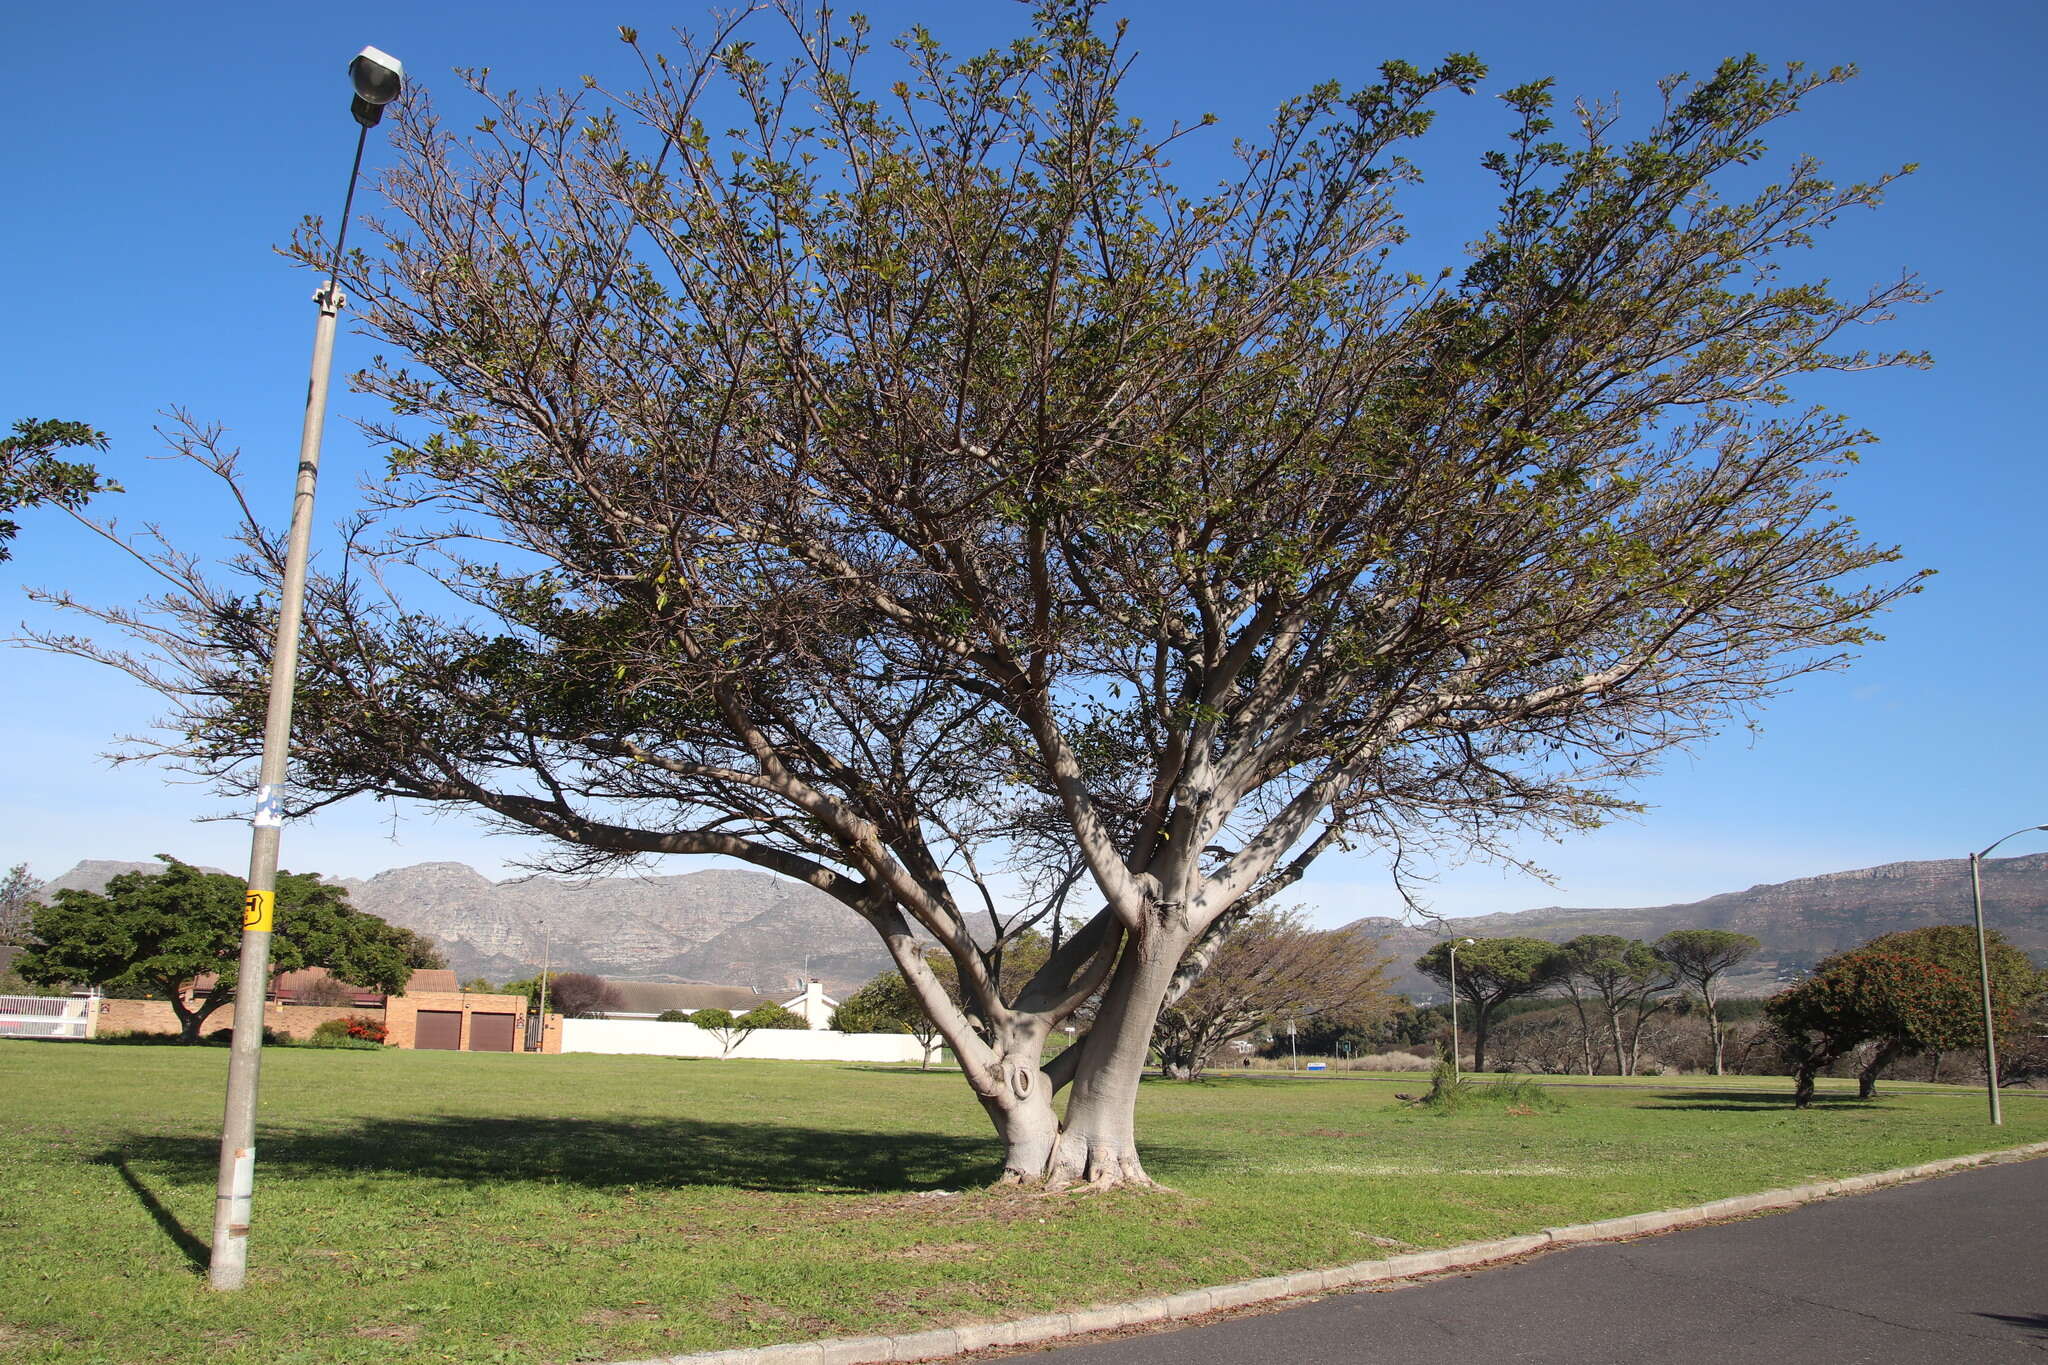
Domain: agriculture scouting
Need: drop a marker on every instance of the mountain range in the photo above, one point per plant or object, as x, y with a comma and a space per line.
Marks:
753, 929
1798, 922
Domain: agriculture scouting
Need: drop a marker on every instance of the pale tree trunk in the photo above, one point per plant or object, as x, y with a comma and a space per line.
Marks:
1714, 1027
1624, 1058
1585, 1035
1097, 1141
1023, 1115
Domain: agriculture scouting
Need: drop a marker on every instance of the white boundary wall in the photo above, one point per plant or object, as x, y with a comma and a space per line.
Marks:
647, 1037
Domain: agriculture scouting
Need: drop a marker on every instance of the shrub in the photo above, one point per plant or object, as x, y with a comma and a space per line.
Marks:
1509, 1093
350, 1029
218, 1038
672, 1017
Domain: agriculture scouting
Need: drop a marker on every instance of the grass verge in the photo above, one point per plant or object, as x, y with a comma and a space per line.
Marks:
416, 1207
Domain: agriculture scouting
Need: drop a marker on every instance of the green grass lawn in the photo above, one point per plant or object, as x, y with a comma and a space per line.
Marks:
418, 1206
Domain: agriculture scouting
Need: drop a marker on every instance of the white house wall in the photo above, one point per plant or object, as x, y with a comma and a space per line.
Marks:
647, 1038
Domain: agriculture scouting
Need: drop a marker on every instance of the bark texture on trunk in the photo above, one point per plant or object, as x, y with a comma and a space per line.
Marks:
1098, 1139
1866, 1079
1802, 1085
1714, 1028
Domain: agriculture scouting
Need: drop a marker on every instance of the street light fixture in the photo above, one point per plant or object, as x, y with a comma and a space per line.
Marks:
1461, 943
1984, 971
378, 78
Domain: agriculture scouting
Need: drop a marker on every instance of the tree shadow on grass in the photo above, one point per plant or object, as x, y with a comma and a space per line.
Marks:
1751, 1101
642, 1152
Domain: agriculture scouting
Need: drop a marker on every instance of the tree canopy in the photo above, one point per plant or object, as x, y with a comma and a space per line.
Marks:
157, 931
1913, 991
1491, 971
1272, 969
1624, 976
913, 479
1700, 957
888, 1005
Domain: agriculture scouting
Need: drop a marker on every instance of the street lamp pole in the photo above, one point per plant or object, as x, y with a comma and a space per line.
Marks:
1461, 943
378, 78
1984, 972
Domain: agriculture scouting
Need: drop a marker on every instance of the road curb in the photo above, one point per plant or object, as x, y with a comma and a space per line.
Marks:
944, 1342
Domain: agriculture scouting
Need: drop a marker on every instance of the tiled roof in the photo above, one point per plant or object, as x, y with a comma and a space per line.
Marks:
653, 997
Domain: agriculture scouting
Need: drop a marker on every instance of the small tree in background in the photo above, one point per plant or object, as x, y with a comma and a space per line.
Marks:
1272, 966
156, 931
672, 1017
1620, 975
1700, 957
1913, 991
721, 1024
888, 1005
1893, 999
326, 991
581, 995
422, 954
19, 892
1491, 971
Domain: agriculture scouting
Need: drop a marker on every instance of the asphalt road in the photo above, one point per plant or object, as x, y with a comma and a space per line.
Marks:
1948, 1270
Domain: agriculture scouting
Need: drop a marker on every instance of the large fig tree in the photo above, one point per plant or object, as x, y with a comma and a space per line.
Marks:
863, 478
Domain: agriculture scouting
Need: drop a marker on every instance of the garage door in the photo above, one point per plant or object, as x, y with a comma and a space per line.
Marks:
493, 1032
440, 1030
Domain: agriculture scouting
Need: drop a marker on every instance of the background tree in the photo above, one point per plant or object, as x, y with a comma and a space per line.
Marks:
2016, 990
1700, 957
1908, 992
479, 985
581, 995
421, 953
903, 476
325, 991
156, 931
20, 894
31, 474
1270, 968
728, 1029
1490, 972
888, 1005
1619, 976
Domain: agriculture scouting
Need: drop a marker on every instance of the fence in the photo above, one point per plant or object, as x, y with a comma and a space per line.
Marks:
47, 1016
647, 1037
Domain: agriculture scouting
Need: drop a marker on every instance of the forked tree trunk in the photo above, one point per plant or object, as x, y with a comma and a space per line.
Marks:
190, 1021
1025, 1120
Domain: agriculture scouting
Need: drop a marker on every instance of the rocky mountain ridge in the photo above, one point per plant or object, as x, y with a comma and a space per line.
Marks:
1798, 921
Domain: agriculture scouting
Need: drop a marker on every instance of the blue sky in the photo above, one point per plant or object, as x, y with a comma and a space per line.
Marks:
158, 152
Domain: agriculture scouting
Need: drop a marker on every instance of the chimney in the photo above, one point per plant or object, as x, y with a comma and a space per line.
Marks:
814, 1005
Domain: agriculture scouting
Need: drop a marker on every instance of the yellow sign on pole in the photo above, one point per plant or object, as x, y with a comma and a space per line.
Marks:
258, 908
